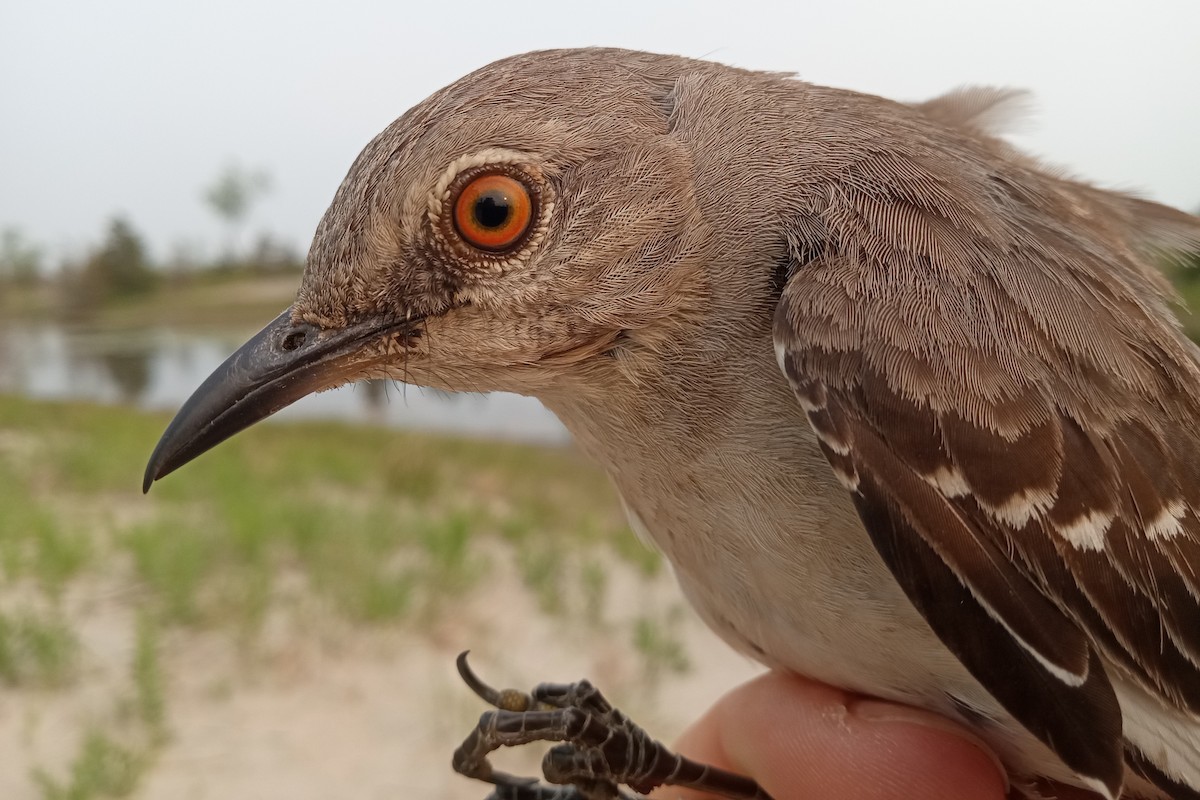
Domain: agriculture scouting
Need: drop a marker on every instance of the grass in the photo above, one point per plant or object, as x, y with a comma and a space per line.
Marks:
376, 522
149, 702
37, 650
542, 570
662, 651
593, 583
114, 755
378, 527
103, 768
35, 543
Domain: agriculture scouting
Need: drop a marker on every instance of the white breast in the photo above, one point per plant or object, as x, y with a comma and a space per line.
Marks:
794, 582
769, 549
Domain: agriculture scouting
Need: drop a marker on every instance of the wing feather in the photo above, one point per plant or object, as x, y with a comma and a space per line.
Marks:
987, 356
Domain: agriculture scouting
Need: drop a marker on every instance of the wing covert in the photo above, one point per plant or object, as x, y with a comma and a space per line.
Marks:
990, 366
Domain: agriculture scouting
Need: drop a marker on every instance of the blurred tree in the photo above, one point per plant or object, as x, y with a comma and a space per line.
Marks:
231, 195
118, 268
20, 260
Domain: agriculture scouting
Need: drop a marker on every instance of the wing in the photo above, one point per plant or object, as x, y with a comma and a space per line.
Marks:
988, 359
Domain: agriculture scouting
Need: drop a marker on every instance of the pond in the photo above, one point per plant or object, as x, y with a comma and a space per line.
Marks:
158, 369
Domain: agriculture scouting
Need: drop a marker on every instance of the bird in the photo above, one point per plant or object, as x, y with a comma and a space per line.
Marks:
907, 411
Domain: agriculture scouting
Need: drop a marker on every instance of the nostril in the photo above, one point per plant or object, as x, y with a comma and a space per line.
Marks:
294, 340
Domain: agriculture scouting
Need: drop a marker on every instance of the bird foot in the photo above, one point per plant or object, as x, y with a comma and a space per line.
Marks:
600, 748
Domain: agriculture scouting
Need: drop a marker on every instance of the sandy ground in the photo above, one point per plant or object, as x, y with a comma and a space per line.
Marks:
318, 709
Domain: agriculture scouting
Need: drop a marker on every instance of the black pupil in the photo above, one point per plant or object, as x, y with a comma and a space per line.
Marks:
492, 209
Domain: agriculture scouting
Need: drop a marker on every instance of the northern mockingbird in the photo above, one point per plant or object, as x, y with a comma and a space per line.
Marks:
907, 412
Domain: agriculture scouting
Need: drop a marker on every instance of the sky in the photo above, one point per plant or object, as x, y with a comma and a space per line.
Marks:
134, 106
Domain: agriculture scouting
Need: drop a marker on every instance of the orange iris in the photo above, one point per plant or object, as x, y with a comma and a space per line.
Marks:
493, 212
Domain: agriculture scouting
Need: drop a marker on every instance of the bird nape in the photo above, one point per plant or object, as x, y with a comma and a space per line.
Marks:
908, 413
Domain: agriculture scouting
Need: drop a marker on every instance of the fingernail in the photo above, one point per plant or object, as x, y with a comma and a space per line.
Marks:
879, 711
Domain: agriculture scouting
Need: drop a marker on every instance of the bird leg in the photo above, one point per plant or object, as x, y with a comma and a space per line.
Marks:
601, 749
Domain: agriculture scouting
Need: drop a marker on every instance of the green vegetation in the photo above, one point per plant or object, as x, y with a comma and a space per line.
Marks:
114, 755
36, 650
378, 523
104, 768
373, 526
662, 651
149, 702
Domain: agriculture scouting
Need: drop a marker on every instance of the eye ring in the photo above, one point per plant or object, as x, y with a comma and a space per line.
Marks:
494, 211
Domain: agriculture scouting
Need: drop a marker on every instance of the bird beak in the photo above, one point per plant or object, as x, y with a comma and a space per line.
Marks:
282, 363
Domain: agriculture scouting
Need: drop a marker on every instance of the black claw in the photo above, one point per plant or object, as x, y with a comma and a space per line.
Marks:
599, 748
474, 682
506, 699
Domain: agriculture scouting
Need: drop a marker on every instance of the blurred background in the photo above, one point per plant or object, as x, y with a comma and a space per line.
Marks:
279, 619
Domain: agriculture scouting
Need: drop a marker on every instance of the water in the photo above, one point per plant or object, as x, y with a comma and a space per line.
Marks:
158, 369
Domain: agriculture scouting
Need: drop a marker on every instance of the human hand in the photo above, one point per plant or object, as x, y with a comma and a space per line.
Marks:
802, 740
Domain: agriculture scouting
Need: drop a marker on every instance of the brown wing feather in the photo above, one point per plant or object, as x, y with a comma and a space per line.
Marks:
988, 357
1029, 655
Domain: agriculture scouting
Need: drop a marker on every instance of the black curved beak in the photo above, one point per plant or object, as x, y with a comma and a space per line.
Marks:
280, 364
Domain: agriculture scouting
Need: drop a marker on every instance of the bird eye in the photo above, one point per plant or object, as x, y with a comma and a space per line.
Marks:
493, 212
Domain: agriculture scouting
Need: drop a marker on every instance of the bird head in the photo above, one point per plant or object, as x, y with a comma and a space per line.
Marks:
505, 234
